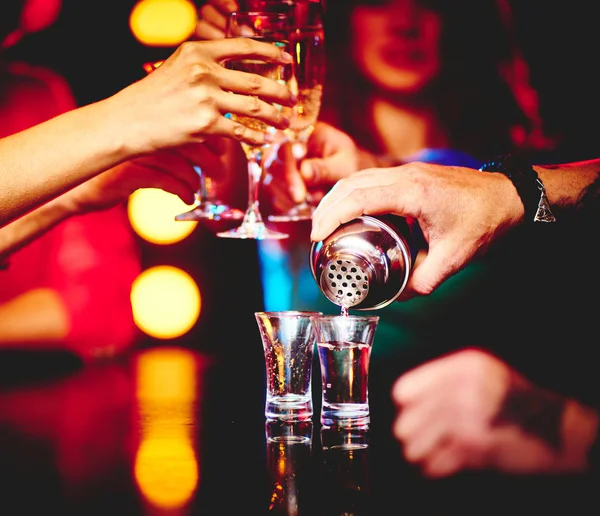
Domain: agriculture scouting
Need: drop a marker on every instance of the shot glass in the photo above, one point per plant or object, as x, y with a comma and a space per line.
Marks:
289, 342
344, 344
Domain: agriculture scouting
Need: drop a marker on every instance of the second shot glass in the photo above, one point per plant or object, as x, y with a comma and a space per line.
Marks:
344, 344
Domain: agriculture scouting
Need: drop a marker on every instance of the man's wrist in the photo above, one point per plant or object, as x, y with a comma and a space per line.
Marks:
528, 185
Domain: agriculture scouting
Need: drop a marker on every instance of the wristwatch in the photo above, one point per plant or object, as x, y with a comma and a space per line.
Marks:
527, 183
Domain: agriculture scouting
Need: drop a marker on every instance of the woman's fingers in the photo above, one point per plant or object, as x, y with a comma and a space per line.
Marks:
224, 126
244, 48
245, 83
254, 108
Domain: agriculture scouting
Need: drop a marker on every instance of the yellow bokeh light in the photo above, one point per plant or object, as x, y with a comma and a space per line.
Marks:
166, 302
162, 22
166, 375
152, 216
166, 471
166, 464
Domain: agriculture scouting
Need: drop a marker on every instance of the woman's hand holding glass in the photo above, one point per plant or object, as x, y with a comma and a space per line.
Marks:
186, 98
274, 29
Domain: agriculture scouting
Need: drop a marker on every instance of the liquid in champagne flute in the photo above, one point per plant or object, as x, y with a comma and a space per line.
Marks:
272, 27
307, 84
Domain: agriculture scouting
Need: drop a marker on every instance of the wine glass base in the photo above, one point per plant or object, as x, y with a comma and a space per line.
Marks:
211, 211
256, 231
297, 213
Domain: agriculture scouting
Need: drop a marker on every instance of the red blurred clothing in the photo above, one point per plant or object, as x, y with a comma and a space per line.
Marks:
89, 261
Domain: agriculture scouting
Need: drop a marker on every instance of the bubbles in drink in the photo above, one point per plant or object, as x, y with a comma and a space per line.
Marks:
286, 369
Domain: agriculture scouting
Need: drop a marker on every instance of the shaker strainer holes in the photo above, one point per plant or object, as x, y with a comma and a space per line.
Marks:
348, 281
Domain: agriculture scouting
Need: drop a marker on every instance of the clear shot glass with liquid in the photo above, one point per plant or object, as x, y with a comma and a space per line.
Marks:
344, 344
288, 342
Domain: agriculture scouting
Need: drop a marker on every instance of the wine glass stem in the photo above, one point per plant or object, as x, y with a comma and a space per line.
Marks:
202, 193
253, 215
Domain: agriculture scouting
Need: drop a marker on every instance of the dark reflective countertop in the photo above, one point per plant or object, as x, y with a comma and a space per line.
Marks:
176, 431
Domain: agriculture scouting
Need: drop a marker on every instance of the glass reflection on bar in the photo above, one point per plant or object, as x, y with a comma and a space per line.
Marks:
345, 471
289, 448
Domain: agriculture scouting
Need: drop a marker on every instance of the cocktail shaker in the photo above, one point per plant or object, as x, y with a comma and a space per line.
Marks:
365, 263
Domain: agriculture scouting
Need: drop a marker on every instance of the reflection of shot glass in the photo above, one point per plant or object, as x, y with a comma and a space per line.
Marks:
344, 343
288, 343
289, 450
345, 471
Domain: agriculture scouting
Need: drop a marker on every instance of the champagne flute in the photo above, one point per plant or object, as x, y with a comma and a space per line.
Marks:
272, 27
308, 45
206, 207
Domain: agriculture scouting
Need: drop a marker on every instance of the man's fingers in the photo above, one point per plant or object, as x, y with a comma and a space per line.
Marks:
440, 262
444, 461
415, 384
342, 205
420, 429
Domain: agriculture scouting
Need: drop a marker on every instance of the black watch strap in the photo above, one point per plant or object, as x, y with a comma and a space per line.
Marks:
528, 185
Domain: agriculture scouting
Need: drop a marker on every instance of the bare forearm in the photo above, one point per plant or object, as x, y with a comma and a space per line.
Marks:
44, 161
32, 225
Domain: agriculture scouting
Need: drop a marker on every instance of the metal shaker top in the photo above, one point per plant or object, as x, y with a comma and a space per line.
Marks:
364, 264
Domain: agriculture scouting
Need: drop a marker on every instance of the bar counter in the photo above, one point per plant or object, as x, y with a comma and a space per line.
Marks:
166, 430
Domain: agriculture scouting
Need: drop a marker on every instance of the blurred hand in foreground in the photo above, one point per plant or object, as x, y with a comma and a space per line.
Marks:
470, 410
